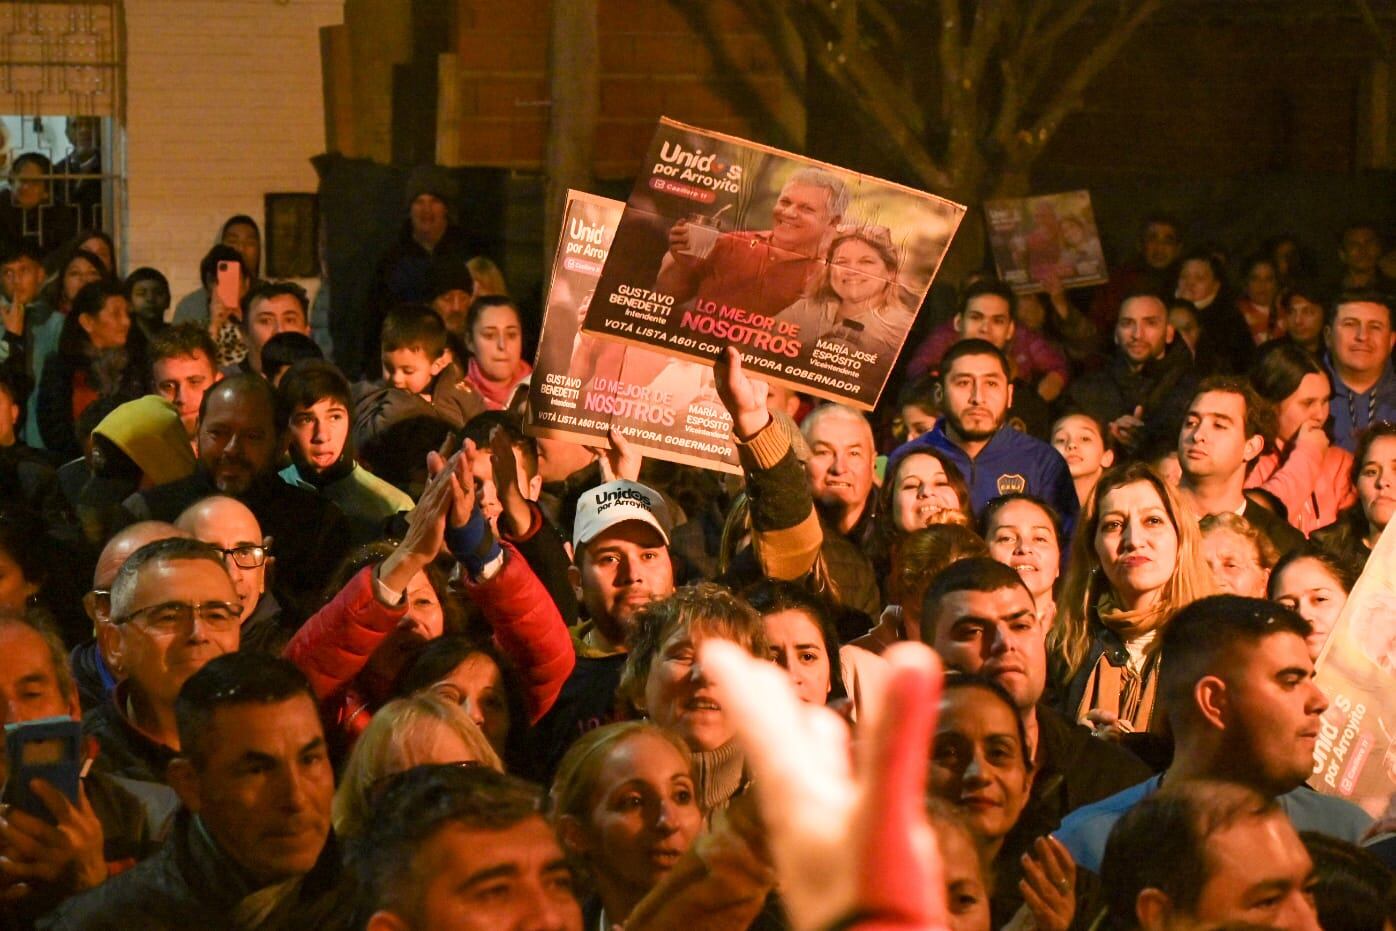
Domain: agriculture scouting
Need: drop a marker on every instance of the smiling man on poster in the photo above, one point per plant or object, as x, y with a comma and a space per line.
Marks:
761, 271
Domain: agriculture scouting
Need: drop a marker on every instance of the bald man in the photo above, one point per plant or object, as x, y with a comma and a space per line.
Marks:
91, 670
230, 525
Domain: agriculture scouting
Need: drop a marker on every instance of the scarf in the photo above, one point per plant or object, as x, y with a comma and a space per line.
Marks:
496, 395
717, 775
1129, 625
1128, 692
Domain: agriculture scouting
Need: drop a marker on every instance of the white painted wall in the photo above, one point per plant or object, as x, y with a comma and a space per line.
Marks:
224, 105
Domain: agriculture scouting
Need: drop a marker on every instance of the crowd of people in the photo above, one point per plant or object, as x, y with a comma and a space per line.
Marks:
1034, 650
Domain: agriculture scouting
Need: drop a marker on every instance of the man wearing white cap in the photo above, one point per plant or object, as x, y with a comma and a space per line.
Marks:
620, 545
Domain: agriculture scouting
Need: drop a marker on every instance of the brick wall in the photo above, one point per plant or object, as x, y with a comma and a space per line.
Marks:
652, 64
224, 105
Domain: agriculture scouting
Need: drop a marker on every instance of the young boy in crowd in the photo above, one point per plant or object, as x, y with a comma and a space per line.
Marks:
416, 359
315, 408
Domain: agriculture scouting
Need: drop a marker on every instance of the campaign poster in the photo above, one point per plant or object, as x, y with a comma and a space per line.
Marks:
582, 386
815, 273
1355, 755
1035, 239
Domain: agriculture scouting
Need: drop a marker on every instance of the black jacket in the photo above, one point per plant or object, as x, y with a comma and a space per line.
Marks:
135, 820
123, 750
191, 884
310, 534
1116, 390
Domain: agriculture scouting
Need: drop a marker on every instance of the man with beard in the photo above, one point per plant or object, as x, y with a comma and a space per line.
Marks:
975, 392
621, 562
238, 441
1238, 687
1135, 394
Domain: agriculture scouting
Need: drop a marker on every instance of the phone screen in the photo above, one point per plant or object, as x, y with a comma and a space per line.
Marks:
229, 280
44, 752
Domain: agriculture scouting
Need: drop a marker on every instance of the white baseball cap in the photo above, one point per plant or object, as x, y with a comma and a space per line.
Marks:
604, 506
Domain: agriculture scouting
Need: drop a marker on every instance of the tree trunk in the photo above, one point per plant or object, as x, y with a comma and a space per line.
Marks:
574, 79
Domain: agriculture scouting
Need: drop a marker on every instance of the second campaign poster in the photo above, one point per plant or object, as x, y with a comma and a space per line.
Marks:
1049, 238
582, 386
813, 272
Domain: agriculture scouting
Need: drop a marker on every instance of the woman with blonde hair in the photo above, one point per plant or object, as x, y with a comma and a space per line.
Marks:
625, 809
1136, 560
420, 729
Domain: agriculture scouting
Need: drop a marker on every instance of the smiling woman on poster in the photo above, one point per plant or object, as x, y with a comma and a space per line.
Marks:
856, 300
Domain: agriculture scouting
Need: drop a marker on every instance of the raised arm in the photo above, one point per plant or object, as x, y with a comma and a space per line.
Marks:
785, 528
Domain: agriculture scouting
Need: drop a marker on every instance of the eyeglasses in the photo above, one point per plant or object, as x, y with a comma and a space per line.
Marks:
166, 618
246, 556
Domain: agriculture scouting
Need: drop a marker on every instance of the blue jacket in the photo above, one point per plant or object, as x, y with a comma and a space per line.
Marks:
1085, 831
1351, 413
1011, 461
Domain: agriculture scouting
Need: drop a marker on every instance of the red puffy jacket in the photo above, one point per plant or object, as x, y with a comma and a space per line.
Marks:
333, 647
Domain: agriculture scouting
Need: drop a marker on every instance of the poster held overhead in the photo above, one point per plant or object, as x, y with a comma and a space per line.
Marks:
583, 386
813, 272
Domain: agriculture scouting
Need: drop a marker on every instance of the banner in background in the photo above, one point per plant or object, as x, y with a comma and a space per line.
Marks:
1035, 239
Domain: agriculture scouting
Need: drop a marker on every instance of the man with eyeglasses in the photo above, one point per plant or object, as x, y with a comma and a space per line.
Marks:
230, 526
92, 669
173, 608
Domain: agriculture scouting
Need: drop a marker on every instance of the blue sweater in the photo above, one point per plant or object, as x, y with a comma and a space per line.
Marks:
1085, 830
1011, 461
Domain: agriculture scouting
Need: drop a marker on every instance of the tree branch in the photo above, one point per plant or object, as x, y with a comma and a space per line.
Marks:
949, 56
783, 38
1068, 98
865, 70
862, 78
749, 101
1035, 52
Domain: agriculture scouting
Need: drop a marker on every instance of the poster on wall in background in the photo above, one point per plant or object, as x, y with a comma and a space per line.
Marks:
1035, 239
583, 386
813, 272
1355, 751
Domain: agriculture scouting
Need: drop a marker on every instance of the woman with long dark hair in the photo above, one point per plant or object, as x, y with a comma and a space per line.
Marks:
1353, 534
1305, 470
95, 359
